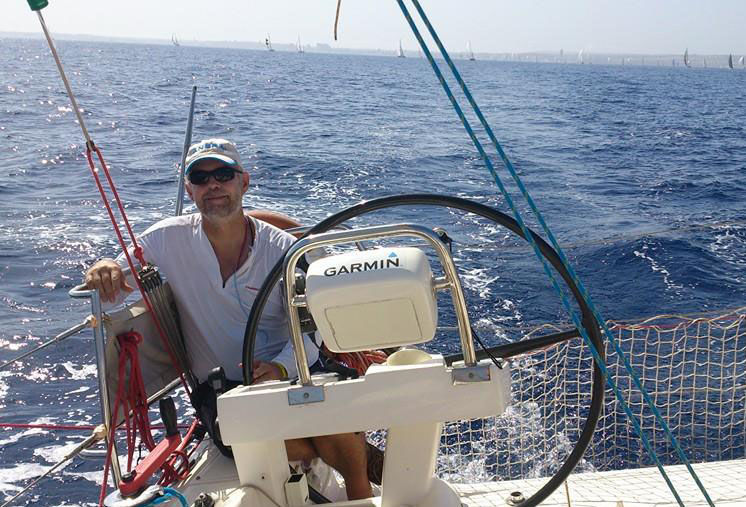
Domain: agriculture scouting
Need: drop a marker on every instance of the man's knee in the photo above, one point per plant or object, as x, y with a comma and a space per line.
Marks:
300, 449
347, 442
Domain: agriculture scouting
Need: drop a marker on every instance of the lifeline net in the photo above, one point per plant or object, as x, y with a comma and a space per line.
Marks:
693, 367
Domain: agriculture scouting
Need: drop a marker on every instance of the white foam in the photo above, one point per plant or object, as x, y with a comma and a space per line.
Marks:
657, 268
55, 453
97, 477
20, 473
82, 373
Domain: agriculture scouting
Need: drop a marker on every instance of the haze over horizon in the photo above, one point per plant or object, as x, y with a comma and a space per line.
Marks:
496, 26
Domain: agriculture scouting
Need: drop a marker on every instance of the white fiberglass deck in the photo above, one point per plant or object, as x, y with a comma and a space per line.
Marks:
642, 487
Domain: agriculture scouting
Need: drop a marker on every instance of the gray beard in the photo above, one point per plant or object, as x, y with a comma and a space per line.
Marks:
218, 212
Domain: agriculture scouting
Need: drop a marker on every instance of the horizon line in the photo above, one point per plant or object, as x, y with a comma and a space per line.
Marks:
326, 47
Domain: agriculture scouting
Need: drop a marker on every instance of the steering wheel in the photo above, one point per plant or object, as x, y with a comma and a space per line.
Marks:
590, 323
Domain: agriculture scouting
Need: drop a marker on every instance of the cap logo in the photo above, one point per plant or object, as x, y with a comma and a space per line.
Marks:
221, 149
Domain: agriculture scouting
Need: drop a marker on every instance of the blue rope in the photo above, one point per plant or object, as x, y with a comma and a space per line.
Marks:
563, 258
169, 493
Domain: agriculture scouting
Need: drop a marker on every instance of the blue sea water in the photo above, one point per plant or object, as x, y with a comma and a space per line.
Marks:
639, 171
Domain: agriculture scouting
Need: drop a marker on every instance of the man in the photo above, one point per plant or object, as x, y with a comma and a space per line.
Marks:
215, 262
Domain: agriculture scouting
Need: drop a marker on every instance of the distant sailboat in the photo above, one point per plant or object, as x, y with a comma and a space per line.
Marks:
730, 61
174, 40
580, 57
268, 43
686, 57
400, 52
740, 61
469, 52
299, 46
704, 62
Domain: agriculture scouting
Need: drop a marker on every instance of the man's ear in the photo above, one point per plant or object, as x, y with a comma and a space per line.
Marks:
245, 178
188, 187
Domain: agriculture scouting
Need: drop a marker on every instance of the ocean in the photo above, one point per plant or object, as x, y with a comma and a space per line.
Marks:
640, 172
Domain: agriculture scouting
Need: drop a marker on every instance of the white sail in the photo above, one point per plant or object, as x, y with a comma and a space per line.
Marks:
580, 57
469, 52
686, 57
299, 46
268, 43
400, 52
174, 40
740, 61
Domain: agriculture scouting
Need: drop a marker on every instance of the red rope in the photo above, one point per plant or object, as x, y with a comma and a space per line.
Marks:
359, 361
132, 398
72, 427
135, 400
90, 148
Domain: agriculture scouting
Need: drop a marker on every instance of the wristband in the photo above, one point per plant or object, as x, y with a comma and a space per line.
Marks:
283, 370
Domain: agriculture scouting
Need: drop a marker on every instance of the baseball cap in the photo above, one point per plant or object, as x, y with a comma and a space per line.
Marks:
219, 149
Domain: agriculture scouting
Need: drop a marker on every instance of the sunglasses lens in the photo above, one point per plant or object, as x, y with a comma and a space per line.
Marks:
198, 177
221, 175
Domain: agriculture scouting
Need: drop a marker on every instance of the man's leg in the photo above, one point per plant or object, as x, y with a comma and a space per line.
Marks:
346, 453
300, 449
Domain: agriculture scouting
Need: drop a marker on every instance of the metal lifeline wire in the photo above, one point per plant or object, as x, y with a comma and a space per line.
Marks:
538, 215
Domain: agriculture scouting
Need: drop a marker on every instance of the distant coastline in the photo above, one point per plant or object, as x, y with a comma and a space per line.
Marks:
545, 56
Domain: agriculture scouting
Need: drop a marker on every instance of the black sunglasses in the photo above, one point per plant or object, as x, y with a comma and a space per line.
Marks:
221, 175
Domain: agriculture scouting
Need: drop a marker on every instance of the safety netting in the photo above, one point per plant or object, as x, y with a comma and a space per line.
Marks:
693, 367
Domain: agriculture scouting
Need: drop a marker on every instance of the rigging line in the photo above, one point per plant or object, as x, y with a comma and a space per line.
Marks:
72, 427
565, 302
137, 253
91, 148
563, 258
89, 141
90, 321
336, 18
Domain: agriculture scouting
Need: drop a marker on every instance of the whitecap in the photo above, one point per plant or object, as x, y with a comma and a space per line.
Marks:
84, 372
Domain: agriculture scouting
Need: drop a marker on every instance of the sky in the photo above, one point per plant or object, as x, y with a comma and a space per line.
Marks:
493, 26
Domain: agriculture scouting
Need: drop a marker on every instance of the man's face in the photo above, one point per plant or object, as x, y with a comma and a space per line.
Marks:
214, 199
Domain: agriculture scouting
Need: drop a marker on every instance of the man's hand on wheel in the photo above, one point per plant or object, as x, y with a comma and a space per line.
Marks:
265, 371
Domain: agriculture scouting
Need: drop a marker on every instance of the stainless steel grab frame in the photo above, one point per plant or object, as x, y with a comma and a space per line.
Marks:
450, 281
80, 292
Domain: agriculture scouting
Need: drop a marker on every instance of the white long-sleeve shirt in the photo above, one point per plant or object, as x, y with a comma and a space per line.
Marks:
213, 316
